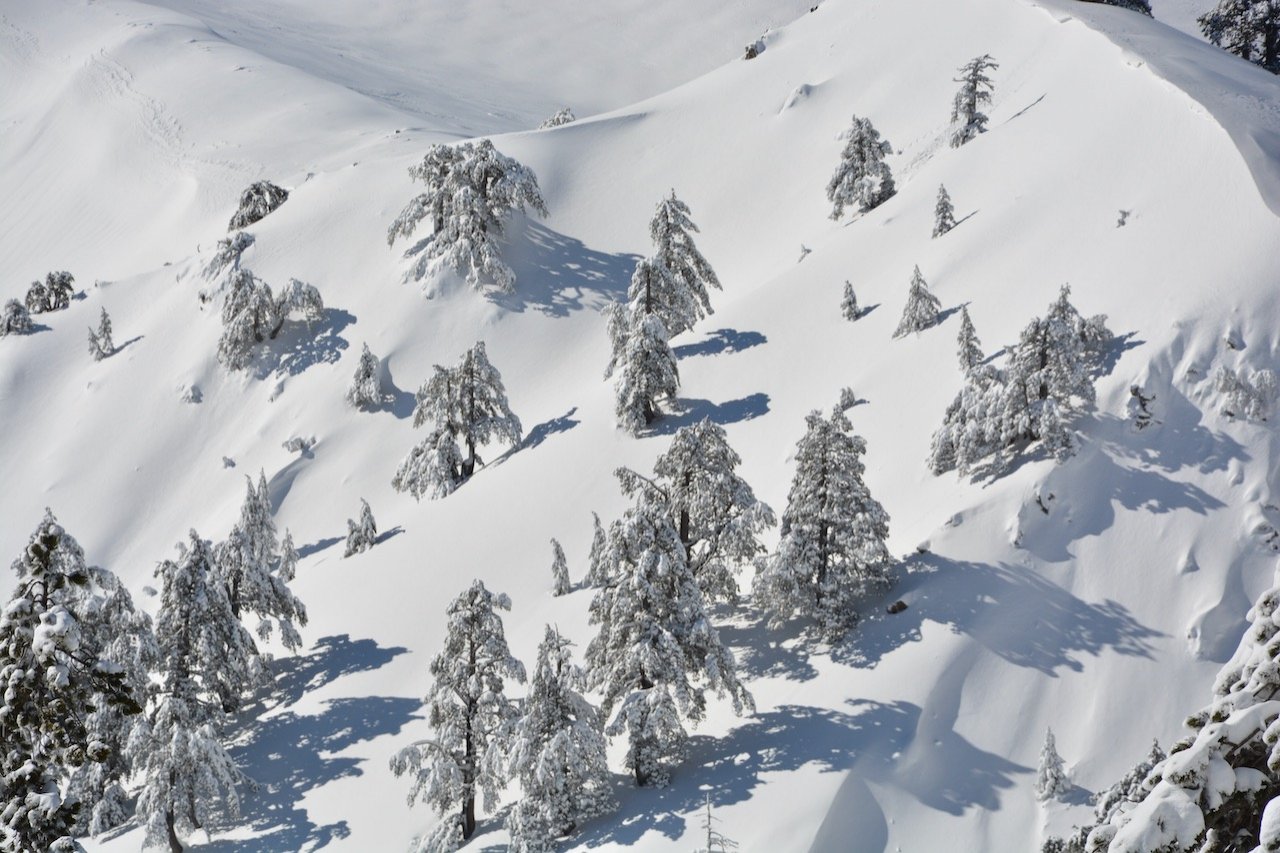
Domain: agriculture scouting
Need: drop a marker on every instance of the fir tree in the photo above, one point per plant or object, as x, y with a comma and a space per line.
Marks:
684, 274
53, 294
597, 571
366, 387
561, 117
15, 319
248, 564
862, 178
259, 199
849, 304
921, 310
227, 254
656, 653
362, 535
970, 348
207, 659
648, 374
432, 468
560, 584
967, 118
249, 317
1051, 774
557, 752
470, 191
56, 674
944, 215
467, 710
716, 841
832, 553
1248, 28
100, 343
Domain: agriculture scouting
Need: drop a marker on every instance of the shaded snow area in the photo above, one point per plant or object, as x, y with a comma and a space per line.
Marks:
1097, 597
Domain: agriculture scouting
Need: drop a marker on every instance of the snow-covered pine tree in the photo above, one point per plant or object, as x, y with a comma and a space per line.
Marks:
944, 215
921, 310
56, 674
560, 584
53, 294
248, 565
716, 841
832, 553
689, 272
863, 177
656, 653
597, 571
562, 117
15, 319
362, 535
1248, 28
207, 659
716, 514
849, 304
970, 348
1142, 6
366, 386
249, 316
297, 298
466, 709
471, 190
557, 752
967, 118
100, 343
258, 199
1051, 774
648, 375
227, 254
432, 468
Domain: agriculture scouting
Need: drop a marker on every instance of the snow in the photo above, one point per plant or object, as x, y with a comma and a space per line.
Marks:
129, 131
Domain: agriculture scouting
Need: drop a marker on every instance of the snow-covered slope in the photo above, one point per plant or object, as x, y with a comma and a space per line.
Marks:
132, 129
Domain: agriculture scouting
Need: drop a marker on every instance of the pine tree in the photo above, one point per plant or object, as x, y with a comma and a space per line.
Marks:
248, 564
561, 117
716, 514
470, 192
56, 675
363, 535
648, 374
467, 711
259, 199
716, 841
432, 468
597, 571
1248, 28
656, 653
862, 178
970, 348
560, 584
100, 343
944, 215
967, 118
685, 271
228, 253
1051, 775
249, 317
921, 310
366, 387
206, 660
557, 752
15, 319
1141, 6
849, 304
832, 553
53, 294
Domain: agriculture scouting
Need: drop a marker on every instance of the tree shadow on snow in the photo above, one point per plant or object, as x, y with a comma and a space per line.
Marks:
299, 345
690, 411
720, 341
318, 546
289, 754
396, 400
557, 274
541, 433
764, 652
1011, 611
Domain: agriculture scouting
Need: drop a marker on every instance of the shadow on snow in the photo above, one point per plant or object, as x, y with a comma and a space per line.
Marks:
721, 341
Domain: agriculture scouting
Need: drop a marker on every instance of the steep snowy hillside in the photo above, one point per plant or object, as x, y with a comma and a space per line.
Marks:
1097, 597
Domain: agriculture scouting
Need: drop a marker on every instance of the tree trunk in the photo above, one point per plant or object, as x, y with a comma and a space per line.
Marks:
175, 846
469, 766
642, 777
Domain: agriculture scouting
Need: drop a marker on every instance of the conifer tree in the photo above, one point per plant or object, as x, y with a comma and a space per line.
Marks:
921, 310
56, 674
967, 118
100, 343
648, 374
259, 199
970, 348
467, 710
597, 571
207, 659
560, 584
53, 294
1051, 774
716, 841
656, 654
685, 271
849, 304
557, 752
1248, 28
862, 178
561, 117
432, 468
944, 215
366, 388
249, 317
228, 253
362, 535
832, 553
15, 319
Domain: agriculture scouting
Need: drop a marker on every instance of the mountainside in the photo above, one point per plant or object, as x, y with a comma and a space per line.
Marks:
1097, 597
